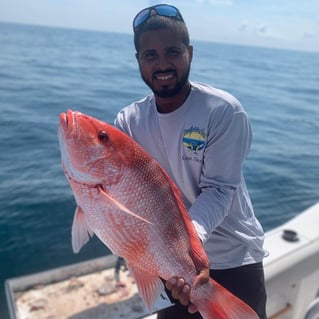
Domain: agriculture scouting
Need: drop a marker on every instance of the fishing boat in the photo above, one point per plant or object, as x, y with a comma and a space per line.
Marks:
97, 289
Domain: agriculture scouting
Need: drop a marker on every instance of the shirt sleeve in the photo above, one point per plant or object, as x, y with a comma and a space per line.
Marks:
226, 150
120, 122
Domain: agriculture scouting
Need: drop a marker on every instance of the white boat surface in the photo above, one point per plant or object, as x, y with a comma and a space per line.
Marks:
88, 289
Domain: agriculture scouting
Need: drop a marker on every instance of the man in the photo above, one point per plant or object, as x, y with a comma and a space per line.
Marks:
200, 135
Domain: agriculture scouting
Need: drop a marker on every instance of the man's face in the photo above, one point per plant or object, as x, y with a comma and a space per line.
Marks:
164, 61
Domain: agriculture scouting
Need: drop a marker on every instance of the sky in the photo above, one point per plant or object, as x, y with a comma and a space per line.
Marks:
287, 24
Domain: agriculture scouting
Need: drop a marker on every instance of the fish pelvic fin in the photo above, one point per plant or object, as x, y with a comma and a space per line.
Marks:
121, 206
149, 286
214, 301
81, 231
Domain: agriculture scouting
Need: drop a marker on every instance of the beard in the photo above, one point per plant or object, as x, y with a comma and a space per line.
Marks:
165, 91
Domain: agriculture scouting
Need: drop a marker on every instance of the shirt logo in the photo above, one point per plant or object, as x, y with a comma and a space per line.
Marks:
194, 139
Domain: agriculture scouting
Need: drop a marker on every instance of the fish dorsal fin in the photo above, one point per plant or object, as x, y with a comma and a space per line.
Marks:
81, 231
149, 286
121, 206
197, 251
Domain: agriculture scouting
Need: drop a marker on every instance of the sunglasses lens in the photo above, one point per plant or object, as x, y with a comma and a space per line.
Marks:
167, 11
141, 18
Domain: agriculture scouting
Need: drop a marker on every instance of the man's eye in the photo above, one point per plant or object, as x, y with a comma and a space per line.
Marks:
149, 55
173, 52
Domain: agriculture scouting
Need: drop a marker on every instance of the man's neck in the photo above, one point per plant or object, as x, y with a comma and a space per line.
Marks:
171, 104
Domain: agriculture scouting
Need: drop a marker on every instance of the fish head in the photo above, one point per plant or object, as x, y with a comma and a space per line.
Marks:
92, 152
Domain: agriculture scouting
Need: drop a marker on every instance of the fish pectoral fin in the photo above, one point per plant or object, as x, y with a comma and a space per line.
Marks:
121, 206
81, 231
150, 287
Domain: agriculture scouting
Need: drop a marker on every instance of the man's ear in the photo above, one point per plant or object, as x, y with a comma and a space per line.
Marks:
190, 52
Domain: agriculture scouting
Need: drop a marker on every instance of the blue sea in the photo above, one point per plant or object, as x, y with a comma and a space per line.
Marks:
45, 71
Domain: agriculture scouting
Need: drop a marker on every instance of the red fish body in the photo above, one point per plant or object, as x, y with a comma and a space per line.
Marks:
132, 205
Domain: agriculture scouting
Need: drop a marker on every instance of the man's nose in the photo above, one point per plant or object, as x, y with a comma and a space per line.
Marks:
163, 62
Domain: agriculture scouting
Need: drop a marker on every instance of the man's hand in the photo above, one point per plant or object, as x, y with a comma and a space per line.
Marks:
181, 290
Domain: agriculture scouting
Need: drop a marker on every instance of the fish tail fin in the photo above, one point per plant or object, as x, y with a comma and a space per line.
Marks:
214, 301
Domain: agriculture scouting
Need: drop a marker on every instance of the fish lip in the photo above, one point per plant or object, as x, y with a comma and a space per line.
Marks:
68, 122
63, 118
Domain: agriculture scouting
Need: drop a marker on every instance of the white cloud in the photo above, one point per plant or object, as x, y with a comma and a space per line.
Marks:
262, 29
258, 29
243, 26
309, 35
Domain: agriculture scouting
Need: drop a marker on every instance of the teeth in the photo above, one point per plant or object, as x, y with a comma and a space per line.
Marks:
164, 77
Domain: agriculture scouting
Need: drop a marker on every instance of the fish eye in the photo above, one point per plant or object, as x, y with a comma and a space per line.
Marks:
103, 137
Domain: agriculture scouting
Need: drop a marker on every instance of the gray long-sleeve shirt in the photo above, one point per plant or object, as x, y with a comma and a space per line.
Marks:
202, 146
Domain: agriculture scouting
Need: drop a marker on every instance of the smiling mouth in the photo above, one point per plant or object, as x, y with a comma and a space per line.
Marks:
164, 77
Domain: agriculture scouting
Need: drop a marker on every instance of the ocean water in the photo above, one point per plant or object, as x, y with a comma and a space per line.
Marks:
45, 71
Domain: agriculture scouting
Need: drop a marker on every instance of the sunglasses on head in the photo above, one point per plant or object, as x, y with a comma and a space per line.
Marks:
164, 10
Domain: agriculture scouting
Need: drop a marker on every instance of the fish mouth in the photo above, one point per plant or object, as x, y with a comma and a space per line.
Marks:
68, 135
68, 120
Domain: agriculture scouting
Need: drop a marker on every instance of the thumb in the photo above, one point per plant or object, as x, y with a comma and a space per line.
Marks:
201, 278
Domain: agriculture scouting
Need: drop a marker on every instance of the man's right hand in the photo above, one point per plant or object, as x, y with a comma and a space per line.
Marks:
180, 290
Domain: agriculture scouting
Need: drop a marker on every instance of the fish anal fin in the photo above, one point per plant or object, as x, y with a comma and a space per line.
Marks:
214, 301
81, 231
150, 287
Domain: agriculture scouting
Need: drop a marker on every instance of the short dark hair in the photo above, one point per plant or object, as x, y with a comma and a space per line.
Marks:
157, 22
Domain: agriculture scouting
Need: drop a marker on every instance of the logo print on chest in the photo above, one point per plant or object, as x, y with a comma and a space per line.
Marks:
194, 139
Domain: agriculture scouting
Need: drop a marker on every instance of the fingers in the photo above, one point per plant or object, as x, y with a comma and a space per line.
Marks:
179, 290
171, 283
192, 308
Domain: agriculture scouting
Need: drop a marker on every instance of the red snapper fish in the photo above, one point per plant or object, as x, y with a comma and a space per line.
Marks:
135, 209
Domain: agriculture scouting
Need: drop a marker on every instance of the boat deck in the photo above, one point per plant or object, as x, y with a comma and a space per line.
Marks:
79, 296
91, 296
